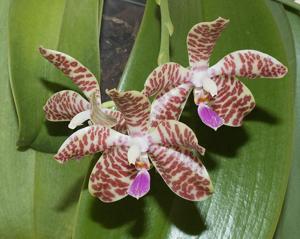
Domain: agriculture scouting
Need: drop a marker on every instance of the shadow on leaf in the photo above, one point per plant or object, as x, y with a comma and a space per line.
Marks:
52, 86
226, 140
262, 115
129, 211
120, 213
182, 213
124, 212
71, 196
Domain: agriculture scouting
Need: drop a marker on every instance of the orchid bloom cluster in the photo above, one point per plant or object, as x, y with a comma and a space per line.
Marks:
139, 134
221, 98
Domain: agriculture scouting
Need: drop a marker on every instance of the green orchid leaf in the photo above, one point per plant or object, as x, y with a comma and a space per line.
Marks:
291, 3
249, 165
38, 196
70, 26
288, 226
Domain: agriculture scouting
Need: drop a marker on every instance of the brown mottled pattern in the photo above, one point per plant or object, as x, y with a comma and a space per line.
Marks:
64, 105
135, 108
112, 175
164, 78
202, 38
174, 133
121, 123
250, 64
89, 140
98, 116
183, 173
234, 100
72, 68
170, 105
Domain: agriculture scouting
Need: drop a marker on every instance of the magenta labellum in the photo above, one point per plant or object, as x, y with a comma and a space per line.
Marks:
140, 185
209, 117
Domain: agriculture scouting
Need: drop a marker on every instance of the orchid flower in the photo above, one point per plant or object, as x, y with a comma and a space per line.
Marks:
220, 96
123, 167
68, 105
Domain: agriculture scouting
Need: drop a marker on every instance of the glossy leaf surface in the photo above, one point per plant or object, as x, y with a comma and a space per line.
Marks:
70, 26
38, 196
288, 226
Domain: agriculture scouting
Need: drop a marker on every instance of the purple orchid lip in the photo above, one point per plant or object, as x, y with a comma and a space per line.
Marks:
209, 117
140, 185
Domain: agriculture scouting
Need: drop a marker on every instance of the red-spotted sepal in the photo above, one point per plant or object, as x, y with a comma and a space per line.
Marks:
201, 40
72, 68
182, 171
135, 109
250, 64
112, 175
234, 100
64, 105
170, 105
173, 133
164, 78
90, 140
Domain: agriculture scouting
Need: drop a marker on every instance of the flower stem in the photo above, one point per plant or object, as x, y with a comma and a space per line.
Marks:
166, 31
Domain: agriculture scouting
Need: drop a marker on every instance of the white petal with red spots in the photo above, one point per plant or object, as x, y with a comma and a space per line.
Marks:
201, 40
173, 133
135, 109
112, 175
234, 100
164, 78
250, 64
183, 173
170, 105
72, 68
90, 140
64, 105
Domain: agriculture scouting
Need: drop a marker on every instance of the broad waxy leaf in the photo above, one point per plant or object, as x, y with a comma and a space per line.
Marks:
288, 226
291, 3
74, 29
38, 196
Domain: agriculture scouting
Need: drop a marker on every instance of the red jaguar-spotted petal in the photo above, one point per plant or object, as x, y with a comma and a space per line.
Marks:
98, 116
201, 40
174, 133
164, 78
182, 171
112, 175
64, 105
170, 105
72, 68
250, 64
234, 100
135, 109
90, 140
